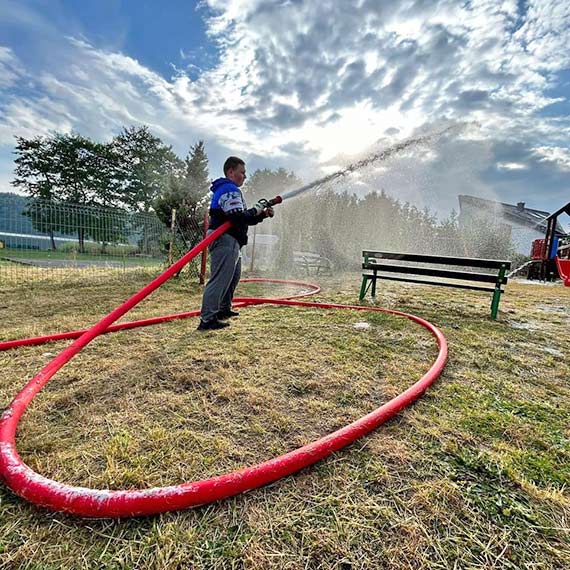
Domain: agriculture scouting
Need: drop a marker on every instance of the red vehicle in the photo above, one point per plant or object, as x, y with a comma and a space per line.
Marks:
538, 249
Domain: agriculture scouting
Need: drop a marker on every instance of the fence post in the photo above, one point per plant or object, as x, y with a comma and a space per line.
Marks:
253, 249
171, 244
204, 251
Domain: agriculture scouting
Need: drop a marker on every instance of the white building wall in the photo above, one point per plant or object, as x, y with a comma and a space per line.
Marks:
521, 235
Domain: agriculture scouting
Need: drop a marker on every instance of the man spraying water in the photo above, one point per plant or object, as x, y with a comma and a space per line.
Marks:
228, 204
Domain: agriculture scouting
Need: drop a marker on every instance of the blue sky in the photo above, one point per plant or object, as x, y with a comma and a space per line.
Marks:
309, 86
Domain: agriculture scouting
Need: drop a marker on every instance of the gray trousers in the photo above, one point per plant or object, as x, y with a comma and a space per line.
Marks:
225, 272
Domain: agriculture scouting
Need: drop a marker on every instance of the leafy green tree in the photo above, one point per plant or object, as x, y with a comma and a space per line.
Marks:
68, 168
268, 183
88, 174
35, 174
186, 193
34, 171
73, 170
109, 223
146, 166
72, 155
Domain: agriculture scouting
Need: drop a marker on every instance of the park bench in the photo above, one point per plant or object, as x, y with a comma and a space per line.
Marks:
312, 263
406, 266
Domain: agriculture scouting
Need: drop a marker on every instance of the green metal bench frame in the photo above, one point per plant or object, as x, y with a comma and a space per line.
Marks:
383, 265
307, 260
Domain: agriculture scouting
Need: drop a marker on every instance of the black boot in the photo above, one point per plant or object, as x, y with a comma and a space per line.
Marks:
227, 314
212, 325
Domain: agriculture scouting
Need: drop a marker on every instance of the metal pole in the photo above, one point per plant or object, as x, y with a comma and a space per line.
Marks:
253, 249
548, 239
172, 226
204, 251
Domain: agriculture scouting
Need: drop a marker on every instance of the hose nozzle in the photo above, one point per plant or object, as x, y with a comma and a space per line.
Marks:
268, 203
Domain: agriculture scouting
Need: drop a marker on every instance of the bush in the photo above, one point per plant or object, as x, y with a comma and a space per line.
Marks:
93, 248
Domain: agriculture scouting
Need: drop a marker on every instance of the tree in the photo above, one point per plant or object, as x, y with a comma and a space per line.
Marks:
34, 168
34, 173
268, 183
196, 179
186, 194
449, 236
67, 169
87, 174
146, 166
486, 238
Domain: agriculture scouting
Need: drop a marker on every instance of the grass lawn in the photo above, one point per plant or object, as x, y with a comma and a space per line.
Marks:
473, 475
46, 255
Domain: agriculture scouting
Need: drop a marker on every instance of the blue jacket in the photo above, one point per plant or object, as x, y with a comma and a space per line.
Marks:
228, 204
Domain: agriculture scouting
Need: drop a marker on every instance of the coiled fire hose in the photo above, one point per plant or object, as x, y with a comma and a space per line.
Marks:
82, 501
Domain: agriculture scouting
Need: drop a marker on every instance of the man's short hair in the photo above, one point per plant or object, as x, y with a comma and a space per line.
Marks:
231, 163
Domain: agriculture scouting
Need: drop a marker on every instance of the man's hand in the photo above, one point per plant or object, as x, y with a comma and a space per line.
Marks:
269, 213
259, 208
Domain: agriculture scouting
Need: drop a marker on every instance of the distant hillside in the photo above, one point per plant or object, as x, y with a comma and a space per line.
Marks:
12, 219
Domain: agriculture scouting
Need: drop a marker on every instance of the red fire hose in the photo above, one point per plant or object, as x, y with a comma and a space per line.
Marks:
308, 289
109, 503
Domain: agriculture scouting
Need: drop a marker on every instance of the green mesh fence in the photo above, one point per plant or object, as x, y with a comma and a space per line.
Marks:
47, 240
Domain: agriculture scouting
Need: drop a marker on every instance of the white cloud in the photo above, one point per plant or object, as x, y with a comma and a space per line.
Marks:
35, 117
511, 166
308, 71
557, 155
10, 71
299, 83
437, 59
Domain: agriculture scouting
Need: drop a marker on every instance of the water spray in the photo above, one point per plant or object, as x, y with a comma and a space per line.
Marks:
371, 159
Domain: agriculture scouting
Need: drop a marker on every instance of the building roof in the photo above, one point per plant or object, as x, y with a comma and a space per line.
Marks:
564, 209
536, 219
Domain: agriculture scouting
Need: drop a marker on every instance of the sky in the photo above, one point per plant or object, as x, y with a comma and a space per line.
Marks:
308, 86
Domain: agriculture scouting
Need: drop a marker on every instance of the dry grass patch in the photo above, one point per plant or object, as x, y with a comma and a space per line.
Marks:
474, 475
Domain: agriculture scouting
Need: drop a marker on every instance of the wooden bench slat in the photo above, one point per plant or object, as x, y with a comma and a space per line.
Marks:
433, 272
438, 259
441, 283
